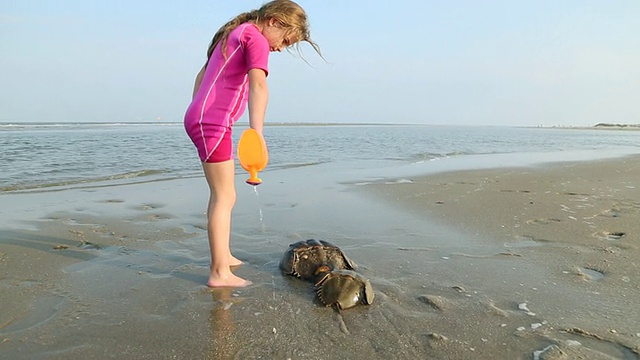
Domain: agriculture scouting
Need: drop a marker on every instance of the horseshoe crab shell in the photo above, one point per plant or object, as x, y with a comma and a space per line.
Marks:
344, 289
303, 258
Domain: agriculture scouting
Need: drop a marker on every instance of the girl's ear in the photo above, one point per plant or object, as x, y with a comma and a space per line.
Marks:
274, 23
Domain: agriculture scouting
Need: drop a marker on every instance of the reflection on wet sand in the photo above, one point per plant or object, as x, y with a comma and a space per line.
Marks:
222, 344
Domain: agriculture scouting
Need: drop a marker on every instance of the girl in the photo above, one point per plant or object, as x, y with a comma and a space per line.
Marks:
233, 76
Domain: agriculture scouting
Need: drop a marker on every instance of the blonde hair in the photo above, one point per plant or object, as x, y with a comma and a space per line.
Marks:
287, 14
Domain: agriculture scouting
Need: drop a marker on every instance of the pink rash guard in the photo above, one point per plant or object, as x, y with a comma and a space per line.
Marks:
223, 94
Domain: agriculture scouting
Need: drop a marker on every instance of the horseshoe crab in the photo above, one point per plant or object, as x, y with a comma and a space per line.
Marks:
344, 289
303, 258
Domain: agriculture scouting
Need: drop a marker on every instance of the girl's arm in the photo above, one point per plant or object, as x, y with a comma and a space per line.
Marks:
199, 77
258, 98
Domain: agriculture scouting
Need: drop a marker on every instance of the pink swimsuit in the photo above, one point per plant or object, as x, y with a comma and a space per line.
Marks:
224, 92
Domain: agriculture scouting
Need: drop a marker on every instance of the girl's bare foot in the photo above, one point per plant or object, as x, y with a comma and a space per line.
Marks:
229, 280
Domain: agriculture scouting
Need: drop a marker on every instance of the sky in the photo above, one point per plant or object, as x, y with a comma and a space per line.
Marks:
458, 62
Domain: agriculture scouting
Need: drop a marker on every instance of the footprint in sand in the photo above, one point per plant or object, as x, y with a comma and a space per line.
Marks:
543, 221
610, 213
436, 302
493, 309
524, 241
609, 235
147, 207
589, 274
571, 193
153, 217
112, 201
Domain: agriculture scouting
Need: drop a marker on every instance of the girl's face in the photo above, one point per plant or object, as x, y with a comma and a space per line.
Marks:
277, 36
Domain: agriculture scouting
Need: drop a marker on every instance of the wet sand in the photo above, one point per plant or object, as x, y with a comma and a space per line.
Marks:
520, 263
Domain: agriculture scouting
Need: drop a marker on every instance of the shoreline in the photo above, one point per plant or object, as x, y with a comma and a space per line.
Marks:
479, 263
577, 221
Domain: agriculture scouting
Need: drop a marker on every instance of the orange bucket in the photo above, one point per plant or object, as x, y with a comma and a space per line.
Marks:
252, 154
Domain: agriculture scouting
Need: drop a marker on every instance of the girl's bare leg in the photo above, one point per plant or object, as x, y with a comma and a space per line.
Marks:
221, 177
233, 261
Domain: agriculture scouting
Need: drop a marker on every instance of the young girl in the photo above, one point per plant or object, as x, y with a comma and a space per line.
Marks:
234, 76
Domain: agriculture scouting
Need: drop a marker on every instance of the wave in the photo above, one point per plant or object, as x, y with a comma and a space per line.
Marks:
71, 183
78, 125
425, 157
296, 165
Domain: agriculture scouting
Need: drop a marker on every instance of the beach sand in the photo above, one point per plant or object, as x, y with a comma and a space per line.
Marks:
519, 263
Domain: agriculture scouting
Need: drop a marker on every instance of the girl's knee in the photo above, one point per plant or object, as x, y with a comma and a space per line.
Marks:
226, 199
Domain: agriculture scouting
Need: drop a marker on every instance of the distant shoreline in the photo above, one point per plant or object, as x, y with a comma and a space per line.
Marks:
620, 127
600, 126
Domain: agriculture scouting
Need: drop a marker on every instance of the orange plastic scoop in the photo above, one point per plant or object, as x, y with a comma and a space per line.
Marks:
253, 155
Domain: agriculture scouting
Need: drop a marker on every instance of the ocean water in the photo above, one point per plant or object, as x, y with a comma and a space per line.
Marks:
48, 157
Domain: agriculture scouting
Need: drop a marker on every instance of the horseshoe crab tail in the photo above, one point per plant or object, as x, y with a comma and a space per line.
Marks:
343, 325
